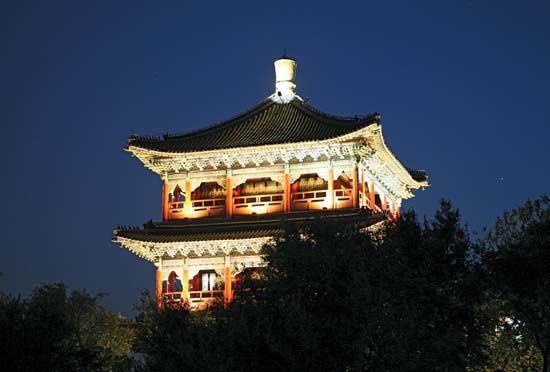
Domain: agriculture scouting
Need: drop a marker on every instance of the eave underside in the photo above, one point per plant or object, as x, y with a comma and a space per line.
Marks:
225, 236
365, 146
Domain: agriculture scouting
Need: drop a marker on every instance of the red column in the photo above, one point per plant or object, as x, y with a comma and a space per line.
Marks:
363, 194
165, 206
187, 205
159, 288
355, 191
385, 203
286, 187
228, 291
228, 197
330, 187
185, 282
371, 196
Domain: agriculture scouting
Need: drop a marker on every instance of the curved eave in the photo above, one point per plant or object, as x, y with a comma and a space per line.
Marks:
145, 154
393, 163
370, 133
153, 251
138, 248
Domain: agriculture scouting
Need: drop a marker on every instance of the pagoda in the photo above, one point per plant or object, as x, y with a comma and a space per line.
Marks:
229, 187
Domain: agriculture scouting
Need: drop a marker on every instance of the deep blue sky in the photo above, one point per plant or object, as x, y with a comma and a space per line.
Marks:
463, 88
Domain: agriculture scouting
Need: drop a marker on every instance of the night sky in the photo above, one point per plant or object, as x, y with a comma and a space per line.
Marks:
463, 88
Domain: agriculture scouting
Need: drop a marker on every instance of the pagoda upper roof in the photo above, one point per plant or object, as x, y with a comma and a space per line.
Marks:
270, 122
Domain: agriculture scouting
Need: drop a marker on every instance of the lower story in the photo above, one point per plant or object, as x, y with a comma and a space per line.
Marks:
199, 263
201, 282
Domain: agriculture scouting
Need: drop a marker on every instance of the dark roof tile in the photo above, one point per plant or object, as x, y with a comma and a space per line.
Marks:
239, 227
265, 124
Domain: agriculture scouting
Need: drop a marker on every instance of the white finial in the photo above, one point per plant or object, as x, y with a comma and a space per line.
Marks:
285, 75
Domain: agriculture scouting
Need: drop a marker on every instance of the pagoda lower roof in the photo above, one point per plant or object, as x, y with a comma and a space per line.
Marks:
240, 227
268, 123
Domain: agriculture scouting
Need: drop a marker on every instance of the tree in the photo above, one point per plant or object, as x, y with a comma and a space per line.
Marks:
334, 298
175, 339
507, 347
518, 261
53, 331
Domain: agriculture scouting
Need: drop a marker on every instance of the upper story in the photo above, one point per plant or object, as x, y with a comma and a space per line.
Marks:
280, 156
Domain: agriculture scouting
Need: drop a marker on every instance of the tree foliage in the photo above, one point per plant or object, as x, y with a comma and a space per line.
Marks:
407, 296
517, 258
56, 331
333, 298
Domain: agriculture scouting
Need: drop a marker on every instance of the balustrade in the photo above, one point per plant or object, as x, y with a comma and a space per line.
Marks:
308, 196
196, 299
208, 207
310, 200
258, 204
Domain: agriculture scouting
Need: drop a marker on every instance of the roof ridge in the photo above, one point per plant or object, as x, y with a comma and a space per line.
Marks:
337, 118
222, 123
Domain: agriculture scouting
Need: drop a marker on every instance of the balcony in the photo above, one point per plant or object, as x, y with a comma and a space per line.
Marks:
207, 207
343, 198
176, 209
258, 204
310, 200
197, 300
318, 199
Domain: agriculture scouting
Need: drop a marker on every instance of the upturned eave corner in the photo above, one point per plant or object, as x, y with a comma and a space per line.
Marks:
393, 162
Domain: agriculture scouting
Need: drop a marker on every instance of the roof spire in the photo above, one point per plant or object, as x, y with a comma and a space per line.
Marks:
285, 75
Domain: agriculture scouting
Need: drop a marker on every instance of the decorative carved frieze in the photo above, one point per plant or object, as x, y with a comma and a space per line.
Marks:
364, 147
245, 157
154, 251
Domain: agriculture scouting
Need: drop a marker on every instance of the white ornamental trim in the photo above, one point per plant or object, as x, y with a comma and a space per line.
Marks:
256, 158
389, 160
160, 162
154, 251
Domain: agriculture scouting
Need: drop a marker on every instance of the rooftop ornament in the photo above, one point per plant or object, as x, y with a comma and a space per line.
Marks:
285, 80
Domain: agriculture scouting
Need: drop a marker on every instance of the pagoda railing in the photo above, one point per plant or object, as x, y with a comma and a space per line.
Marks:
201, 296
176, 209
307, 200
199, 208
195, 299
318, 199
343, 198
208, 207
258, 204
375, 208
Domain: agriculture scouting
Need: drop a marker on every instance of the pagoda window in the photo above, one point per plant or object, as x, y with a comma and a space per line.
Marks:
208, 281
377, 200
207, 200
309, 182
343, 182
258, 196
176, 198
343, 190
366, 195
208, 190
308, 192
259, 186
172, 283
